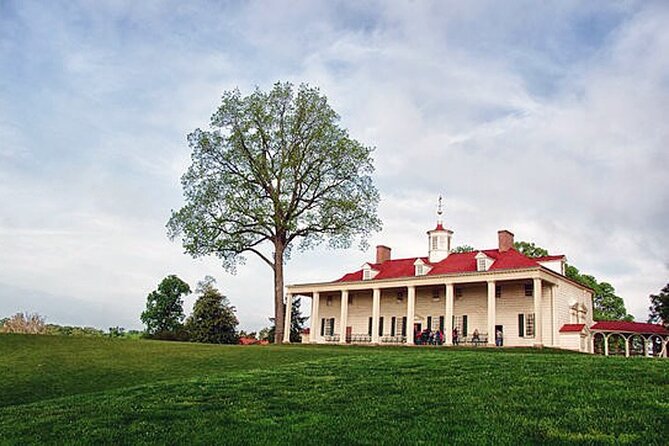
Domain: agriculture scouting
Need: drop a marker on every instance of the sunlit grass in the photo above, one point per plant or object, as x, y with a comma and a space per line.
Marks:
103, 391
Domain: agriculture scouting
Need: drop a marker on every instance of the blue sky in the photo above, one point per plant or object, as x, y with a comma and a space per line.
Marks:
544, 118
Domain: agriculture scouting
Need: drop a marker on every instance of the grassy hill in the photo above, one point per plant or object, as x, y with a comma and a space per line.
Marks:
89, 390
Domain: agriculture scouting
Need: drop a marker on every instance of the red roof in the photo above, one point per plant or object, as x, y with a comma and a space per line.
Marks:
572, 328
454, 263
548, 258
632, 327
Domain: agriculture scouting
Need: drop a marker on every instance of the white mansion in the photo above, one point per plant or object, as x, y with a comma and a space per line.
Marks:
486, 296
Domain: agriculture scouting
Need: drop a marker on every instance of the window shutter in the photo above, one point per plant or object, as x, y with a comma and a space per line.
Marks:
323, 327
369, 326
441, 324
464, 325
381, 326
332, 326
521, 325
404, 326
393, 322
429, 323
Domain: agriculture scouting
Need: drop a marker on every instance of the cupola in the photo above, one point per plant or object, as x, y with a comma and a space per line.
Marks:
439, 239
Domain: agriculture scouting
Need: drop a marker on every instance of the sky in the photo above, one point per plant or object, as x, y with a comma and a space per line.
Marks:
544, 118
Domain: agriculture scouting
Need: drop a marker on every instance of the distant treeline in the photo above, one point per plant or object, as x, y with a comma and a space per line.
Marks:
34, 323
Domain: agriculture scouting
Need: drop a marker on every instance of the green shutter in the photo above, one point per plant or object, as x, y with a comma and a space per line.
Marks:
393, 322
464, 325
381, 326
369, 326
323, 327
404, 325
521, 325
441, 324
429, 323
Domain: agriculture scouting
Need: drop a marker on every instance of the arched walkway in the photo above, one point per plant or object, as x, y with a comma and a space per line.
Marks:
622, 338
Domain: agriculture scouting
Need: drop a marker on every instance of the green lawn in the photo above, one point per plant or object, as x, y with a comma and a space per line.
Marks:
78, 390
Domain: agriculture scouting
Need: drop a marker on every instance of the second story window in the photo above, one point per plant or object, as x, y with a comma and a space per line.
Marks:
529, 289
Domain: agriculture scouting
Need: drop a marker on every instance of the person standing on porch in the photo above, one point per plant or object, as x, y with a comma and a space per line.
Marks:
455, 336
499, 338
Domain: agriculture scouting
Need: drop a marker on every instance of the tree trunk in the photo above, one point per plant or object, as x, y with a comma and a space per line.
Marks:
279, 308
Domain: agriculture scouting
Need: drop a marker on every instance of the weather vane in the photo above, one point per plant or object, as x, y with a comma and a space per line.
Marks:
439, 210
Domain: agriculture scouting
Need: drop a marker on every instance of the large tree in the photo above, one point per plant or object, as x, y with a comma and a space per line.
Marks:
164, 307
213, 319
273, 171
659, 307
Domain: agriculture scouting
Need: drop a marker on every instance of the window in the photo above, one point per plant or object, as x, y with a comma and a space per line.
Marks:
329, 327
458, 291
381, 326
366, 274
393, 327
435, 294
435, 243
350, 299
420, 270
526, 325
481, 265
529, 289
460, 322
328, 301
498, 290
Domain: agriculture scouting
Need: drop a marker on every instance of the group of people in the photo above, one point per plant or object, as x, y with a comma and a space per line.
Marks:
429, 337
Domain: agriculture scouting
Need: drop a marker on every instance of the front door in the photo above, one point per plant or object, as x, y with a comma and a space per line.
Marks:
349, 331
499, 335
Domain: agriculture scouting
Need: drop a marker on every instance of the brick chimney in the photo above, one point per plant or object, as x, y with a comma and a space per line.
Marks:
382, 254
505, 239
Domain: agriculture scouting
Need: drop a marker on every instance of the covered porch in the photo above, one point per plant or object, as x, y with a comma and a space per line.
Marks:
471, 310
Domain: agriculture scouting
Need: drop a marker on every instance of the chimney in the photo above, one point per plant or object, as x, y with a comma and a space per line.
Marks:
505, 239
382, 254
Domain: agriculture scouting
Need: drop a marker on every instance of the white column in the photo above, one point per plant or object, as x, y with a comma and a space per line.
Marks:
627, 346
286, 317
606, 344
554, 328
343, 319
315, 332
411, 312
492, 316
376, 312
645, 346
448, 322
538, 333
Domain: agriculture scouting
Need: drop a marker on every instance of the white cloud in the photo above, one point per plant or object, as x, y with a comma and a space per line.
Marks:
546, 120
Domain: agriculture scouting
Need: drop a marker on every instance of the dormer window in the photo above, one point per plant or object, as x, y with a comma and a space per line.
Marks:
421, 268
483, 262
368, 273
480, 265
